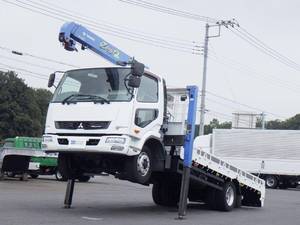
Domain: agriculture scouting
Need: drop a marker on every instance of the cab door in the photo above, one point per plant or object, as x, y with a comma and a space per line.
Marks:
148, 108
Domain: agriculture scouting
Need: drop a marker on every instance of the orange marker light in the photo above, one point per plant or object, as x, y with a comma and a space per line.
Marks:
136, 131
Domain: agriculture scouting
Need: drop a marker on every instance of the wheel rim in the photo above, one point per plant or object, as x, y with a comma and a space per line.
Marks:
270, 182
58, 175
143, 164
229, 195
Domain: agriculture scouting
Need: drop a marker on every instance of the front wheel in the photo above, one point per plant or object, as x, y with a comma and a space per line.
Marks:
65, 167
139, 167
59, 177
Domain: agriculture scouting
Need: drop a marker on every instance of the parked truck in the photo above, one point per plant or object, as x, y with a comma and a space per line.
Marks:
116, 120
273, 155
15, 155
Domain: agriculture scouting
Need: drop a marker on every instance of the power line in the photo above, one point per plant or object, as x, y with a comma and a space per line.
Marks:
122, 28
33, 74
167, 10
253, 74
66, 14
28, 63
229, 117
63, 17
239, 31
20, 53
242, 104
259, 45
272, 51
223, 104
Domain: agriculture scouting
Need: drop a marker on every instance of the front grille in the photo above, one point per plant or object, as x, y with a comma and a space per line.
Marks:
63, 141
85, 125
92, 142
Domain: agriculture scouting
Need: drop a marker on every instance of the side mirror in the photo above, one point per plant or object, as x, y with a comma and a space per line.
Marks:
134, 81
137, 68
51, 80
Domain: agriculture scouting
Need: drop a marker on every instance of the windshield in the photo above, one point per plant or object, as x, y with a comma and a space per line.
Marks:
104, 83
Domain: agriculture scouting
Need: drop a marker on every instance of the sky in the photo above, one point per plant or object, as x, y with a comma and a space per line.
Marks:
235, 70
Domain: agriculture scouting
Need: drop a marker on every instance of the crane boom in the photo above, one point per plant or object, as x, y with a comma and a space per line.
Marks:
71, 33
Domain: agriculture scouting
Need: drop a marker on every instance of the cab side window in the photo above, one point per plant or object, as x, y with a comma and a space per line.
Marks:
148, 90
143, 117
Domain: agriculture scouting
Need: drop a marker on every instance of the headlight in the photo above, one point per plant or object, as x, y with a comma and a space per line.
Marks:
47, 139
115, 140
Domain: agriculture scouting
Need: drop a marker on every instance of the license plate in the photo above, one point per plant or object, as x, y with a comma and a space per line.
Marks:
34, 166
77, 143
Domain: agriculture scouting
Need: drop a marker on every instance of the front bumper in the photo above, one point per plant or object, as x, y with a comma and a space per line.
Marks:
88, 144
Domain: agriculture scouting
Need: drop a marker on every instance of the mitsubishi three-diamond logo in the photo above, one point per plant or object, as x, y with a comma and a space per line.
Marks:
80, 126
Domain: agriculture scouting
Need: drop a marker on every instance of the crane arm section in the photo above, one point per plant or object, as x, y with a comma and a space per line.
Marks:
71, 33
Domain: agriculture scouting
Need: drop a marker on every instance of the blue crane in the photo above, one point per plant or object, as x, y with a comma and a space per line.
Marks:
71, 33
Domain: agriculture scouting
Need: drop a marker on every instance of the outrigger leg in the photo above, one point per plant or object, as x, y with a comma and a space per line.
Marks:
69, 193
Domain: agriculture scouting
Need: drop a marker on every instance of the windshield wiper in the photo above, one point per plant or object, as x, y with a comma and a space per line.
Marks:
94, 98
97, 98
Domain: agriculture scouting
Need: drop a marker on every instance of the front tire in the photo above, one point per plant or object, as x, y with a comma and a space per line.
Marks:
139, 167
65, 166
60, 177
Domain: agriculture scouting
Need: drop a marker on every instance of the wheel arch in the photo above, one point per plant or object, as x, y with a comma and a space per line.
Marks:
157, 152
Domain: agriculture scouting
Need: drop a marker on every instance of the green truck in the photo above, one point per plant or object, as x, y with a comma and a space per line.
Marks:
16, 153
44, 165
25, 155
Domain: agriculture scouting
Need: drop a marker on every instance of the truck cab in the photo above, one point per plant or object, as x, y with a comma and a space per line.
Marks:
99, 123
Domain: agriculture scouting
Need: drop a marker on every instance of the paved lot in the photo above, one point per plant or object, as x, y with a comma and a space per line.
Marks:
108, 201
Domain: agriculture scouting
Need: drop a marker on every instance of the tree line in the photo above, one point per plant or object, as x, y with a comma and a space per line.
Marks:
22, 109
292, 123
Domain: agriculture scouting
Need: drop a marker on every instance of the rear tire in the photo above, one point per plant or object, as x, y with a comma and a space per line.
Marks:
271, 182
293, 184
211, 199
226, 199
165, 193
238, 203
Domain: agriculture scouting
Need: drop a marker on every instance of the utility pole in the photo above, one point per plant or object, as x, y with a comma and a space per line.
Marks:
231, 23
263, 116
203, 90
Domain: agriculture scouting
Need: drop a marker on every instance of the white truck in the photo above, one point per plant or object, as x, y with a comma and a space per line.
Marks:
273, 155
105, 120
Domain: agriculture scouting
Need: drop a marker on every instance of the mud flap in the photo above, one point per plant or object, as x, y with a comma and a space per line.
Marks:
251, 198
